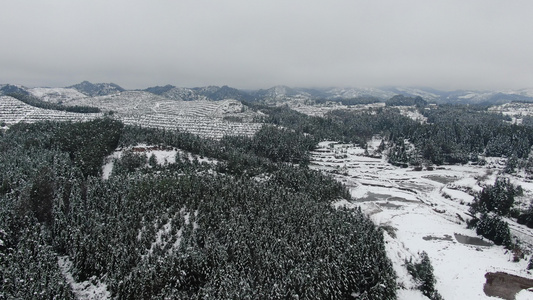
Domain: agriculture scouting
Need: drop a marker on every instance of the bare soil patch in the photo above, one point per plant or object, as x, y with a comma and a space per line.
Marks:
504, 285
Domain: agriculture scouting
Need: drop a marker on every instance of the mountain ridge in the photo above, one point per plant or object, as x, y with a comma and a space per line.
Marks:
97, 89
281, 94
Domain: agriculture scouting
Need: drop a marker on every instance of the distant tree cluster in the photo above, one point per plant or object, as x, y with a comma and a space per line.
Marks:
401, 100
494, 228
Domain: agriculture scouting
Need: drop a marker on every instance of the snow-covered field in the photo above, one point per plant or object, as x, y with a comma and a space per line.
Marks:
321, 110
426, 211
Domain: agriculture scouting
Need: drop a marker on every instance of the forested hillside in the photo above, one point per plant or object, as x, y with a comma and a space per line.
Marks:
250, 226
451, 133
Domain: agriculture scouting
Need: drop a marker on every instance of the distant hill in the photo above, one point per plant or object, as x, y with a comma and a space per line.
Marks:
465, 96
401, 100
221, 93
214, 93
281, 94
160, 90
8, 89
97, 89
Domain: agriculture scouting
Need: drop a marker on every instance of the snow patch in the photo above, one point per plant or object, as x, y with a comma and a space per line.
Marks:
412, 113
164, 235
163, 157
525, 294
57, 95
2, 236
411, 295
92, 289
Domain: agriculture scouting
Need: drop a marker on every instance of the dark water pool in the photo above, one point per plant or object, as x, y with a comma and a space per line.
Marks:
440, 179
390, 205
374, 197
446, 237
471, 240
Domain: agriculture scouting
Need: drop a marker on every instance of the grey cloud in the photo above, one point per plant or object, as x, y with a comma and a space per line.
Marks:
257, 44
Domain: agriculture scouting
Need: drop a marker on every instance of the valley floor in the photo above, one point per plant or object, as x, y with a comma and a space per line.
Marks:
427, 211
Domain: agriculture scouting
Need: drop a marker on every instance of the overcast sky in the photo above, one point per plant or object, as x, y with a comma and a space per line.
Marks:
445, 44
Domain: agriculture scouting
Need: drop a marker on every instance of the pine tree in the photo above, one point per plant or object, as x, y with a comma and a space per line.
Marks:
423, 273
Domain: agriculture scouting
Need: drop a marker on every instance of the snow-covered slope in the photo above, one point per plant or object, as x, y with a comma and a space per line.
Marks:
426, 211
183, 94
347, 93
57, 95
13, 111
283, 94
129, 102
202, 117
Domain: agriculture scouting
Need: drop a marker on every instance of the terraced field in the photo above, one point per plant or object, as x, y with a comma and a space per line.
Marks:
13, 111
204, 126
205, 118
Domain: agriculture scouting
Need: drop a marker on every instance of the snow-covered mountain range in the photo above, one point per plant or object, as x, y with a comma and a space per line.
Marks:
277, 94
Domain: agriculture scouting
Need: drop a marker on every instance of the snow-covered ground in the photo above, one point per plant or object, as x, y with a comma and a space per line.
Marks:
91, 289
163, 157
516, 110
426, 211
413, 113
164, 234
323, 109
